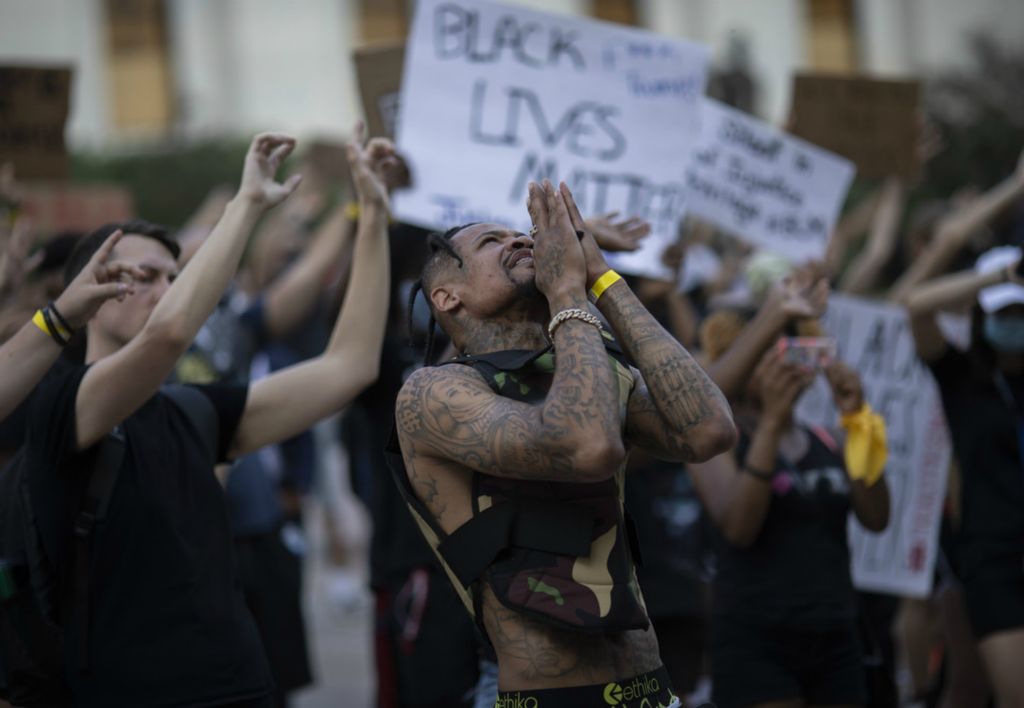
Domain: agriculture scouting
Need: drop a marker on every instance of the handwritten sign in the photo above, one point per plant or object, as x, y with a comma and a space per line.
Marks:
379, 71
494, 97
765, 187
871, 121
875, 339
33, 111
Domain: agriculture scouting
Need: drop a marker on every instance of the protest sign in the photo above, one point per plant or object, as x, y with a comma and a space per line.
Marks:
495, 96
379, 71
870, 121
33, 111
875, 339
765, 187
54, 207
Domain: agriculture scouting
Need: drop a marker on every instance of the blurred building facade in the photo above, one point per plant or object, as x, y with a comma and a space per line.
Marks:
152, 70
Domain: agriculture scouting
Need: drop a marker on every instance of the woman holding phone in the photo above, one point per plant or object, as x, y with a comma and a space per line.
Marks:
784, 627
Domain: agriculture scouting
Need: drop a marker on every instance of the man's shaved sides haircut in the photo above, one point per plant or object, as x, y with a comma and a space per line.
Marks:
442, 257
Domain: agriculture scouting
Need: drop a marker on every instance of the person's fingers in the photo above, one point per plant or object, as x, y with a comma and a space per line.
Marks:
291, 184
359, 133
558, 213
280, 153
610, 216
570, 204
119, 270
105, 249
105, 291
533, 205
33, 261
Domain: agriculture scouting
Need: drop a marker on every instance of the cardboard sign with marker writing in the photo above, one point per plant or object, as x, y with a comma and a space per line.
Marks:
33, 110
873, 122
379, 71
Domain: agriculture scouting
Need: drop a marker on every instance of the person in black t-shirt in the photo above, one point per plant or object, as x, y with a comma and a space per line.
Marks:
168, 624
983, 398
783, 604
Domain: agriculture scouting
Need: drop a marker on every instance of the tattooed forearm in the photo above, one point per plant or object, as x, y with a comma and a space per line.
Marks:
677, 412
451, 413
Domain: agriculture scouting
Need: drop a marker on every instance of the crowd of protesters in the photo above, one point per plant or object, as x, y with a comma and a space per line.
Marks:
518, 445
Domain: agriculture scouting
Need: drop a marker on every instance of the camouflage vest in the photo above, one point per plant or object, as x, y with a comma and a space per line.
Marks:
559, 552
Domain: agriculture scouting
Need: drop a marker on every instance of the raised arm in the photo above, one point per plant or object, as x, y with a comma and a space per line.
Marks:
863, 273
28, 355
737, 493
950, 292
574, 434
801, 295
675, 411
119, 383
290, 401
956, 229
291, 297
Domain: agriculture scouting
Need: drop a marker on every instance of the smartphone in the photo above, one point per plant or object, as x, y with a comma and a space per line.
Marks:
811, 352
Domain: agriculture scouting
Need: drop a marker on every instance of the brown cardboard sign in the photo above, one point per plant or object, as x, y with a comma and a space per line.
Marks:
873, 122
51, 207
379, 72
34, 104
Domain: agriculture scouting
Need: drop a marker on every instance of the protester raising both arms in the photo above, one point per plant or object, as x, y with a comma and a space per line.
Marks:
163, 585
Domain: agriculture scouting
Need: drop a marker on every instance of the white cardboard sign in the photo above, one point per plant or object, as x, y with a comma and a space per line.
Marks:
495, 96
875, 339
768, 188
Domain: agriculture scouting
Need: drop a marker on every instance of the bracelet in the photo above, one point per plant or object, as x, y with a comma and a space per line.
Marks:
42, 320
352, 211
571, 314
68, 330
758, 474
603, 283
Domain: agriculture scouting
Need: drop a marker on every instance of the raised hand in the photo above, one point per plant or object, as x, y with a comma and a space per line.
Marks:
847, 391
100, 280
802, 294
375, 166
561, 267
625, 235
595, 261
778, 385
15, 263
266, 153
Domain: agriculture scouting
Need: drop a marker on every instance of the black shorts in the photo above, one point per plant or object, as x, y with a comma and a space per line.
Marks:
994, 588
649, 689
755, 664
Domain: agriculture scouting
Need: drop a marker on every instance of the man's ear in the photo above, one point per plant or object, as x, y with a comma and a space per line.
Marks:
444, 299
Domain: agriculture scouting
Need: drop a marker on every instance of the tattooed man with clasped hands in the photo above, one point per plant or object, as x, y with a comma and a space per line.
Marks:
514, 451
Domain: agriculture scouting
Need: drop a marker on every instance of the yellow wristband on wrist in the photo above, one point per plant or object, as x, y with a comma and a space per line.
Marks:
603, 283
866, 449
39, 321
352, 211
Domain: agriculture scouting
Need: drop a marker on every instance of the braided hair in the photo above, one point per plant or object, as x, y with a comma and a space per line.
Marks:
442, 252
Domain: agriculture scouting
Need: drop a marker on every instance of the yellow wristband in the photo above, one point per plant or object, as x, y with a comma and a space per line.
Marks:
39, 321
352, 211
603, 283
866, 450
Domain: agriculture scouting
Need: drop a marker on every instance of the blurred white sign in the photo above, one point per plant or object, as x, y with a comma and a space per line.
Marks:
496, 96
875, 339
768, 188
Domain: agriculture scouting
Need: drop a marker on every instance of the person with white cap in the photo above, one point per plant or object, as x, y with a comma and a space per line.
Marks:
983, 397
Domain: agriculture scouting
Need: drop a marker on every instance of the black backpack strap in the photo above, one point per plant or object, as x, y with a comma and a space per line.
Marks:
200, 412
94, 508
535, 524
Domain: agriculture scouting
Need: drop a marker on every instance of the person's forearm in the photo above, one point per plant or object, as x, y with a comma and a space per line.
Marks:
854, 222
583, 403
752, 489
196, 291
682, 317
865, 269
871, 504
362, 321
733, 367
689, 402
953, 233
292, 297
24, 360
950, 292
